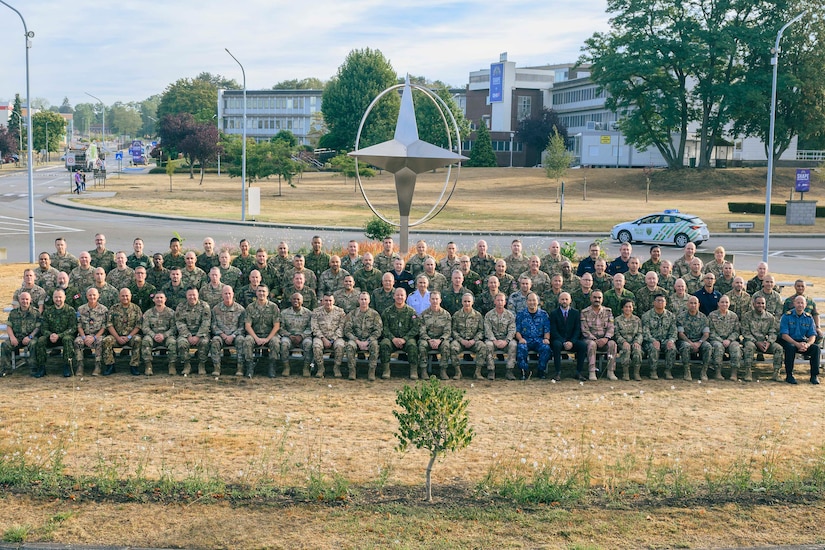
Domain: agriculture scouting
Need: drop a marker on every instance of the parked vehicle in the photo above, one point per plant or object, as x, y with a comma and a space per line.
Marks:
670, 226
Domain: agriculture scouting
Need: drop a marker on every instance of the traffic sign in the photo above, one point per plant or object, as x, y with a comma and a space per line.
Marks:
70, 160
119, 155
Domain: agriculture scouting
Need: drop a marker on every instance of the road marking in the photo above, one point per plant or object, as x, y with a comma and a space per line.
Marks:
777, 253
19, 226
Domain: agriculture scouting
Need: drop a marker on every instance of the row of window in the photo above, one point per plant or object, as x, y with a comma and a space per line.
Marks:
266, 123
500, 146
575, 121
270, 103
574, 96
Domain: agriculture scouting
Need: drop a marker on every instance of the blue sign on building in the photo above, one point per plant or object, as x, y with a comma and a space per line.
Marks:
496, 82
803, 180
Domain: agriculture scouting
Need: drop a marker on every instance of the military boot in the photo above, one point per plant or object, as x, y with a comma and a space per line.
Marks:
351, 369
319, 371
477, 373
668, 374
636, 374
687, 374
719, 375
625, 372
250, 369
422, 372
336, 370
653, 374
271, 369
239, 368
491, 373
611, 373
371, 373
442, 374
202, 369
216, 369
703, 375
386, 374
733, 373
413, 372
775, 374
457, 373
148, 371
187, 368
96, 372
173, 371
285, 370
748, 374
307, 370
508, 374
79, 370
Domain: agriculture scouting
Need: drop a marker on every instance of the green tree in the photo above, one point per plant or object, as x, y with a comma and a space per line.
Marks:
317, 129
66, 107
431, 127
433, 417
287, 137
149, 115
364, 74
346, 165
84, 115
56, 130
535, 132
218, 82
482, 155
198, 98
377, 229
310, 83
171, 166
263, 160
123, 119
201, 145
16, 118
557, 158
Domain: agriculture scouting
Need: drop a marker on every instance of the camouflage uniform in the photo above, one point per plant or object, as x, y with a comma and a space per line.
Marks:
170, 261
603, 283
295, 323
211, 295
517, 266
22, 323
693, 327
541, 281
247, 294
244, 265
329, 325
205, 263
740, 303
282, 264
693, 282
676, 303
681, 267
37, 293
262, 319
159, 322
231, 276
193, 279
437, 281
500, 327
634, 282
644, 298
350, 265
175, 295
270, 278
613, 301
73, 297
82, 278
668, 283
474, 282
317, 262
109, 295
310, 279
368, 281
516, 302
451, 300
228, 320
347, 301
120, 278
362, 325
446, 266
662, 329
62, 322
383, 263
381, 300
760, 328
329, 282
193, 320
91, 321
157, 277
469, 326
550, 300
66, 263
506, 282
415, 265
580, 299
310, 298
399, 323
724, 285
142, 296
650, 265
552, 265
105, 259
483, 266
434, 326
144, 261
596, 325
571, 283
629, 331
725, 327
123, 320
484, 303
46, 279
714, 267
773, 305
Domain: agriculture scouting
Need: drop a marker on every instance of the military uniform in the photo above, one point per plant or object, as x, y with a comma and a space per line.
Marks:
205, 262
415, 265
613, 301
381, 300
310, 279
231, 276
650, 265
516, 302
451, 300
123, 320
192, 279
37, 293
351, 265
550, 299
437, 281
170, 261
143, 296
517, 266
270, 278
383, 263
434, 326
643, 301
247, 294
193, 320
82, 278
211, 295
474, 282
105, 259
681, 267
552, 264
603, 282
754, 285
368, 281
46, 279
329, 325
725, 327
317, 262
399, 323
693, 327
693, 282
295, 323
347, 301
541, 281
159, 322
484, 303
596, 325
244, 265
262, 319
570, 283
175, 295
659, 328
740, 303
634, 281
629, 331
120, 278
724, 285
90, 321
22, 323
227, 320
446, 266
506, 282
310, 298
714, 267
67, 262
329, 282
483, 266
362, 325
500, 327
676, 303
144, 261
533, 327
580, 299
755, 328
773, 305
62, 322
157, 277
668, 283
109, 295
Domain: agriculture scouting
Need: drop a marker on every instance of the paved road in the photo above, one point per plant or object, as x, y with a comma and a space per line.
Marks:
799, 254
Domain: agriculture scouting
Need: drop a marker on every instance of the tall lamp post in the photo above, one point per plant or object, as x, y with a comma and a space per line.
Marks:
103, 124
28, 35
775, 63
243, 145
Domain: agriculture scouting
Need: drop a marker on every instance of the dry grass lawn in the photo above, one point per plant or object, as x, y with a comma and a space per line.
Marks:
295, 431
518, 199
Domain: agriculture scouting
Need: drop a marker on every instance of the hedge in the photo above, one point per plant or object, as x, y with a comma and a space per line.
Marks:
759, 208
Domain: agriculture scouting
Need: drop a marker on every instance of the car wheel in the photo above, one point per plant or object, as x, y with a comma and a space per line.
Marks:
625, 236
681, 240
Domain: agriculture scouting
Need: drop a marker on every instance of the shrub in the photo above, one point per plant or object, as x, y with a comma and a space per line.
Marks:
377, 229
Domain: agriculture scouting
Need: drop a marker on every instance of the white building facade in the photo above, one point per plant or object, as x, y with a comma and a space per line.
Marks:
270, 111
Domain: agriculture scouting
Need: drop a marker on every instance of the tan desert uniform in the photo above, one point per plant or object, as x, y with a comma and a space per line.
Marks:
329, 325
500, 327
296, 323
469, 326
362, 325
228, 320
124, 320
434, 326
193, 320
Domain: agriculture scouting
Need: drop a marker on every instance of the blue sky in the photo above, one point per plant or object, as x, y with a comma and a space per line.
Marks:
122, 51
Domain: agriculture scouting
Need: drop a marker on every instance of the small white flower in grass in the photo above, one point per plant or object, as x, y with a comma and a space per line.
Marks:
535, 464
472, 385
329, 385
641, 392
673, 387
524, 461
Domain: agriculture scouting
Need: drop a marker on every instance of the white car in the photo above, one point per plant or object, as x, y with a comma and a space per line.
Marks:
670, 226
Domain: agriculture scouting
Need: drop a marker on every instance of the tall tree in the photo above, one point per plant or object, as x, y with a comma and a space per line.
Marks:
287, 137
66, 107
535, 132
218, 81
47, 123
15, 122
363, 75
173, 129
431, 127
125, 119
84, 115
482, 155
202, 145
310, 83
149, 115
198, 98
9, 142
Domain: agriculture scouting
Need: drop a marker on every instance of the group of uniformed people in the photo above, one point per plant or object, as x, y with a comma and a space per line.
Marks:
192, 307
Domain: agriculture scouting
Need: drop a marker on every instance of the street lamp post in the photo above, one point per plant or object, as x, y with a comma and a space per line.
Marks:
243, 145
103, 124
768, 187
30, 170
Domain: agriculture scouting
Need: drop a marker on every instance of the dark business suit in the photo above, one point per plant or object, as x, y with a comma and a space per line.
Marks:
567, 329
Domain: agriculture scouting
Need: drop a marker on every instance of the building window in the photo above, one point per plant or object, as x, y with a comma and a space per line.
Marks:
524, 107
